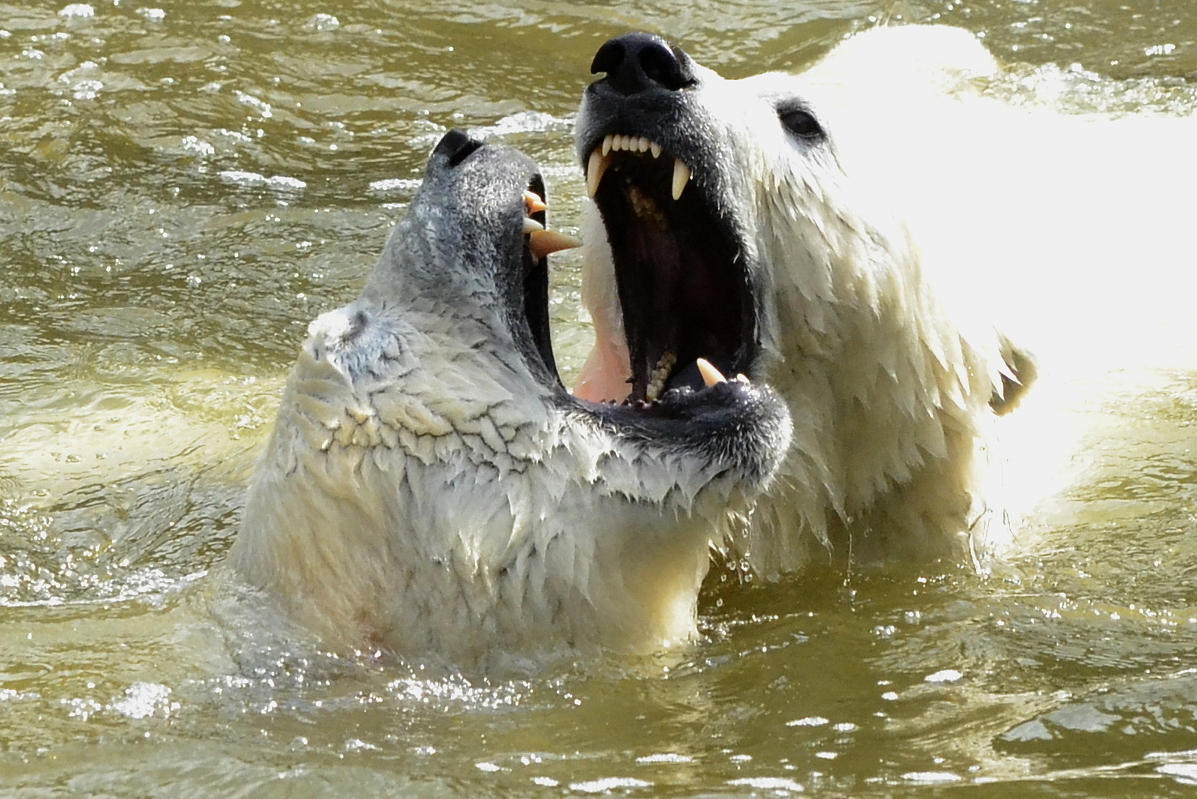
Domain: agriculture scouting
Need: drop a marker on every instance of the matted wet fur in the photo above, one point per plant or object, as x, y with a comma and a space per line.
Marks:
737, 223
431, 489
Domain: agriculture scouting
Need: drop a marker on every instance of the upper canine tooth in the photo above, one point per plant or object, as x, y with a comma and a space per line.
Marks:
595, 168
544, 242
608, 143
531, 225
681, 176
533, 202
710, 375
656, 149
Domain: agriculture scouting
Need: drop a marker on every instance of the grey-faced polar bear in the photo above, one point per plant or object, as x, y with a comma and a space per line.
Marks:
430, 488
738, 224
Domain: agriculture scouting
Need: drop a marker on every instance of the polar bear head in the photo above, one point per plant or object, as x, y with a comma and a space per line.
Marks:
431, 488
739, 222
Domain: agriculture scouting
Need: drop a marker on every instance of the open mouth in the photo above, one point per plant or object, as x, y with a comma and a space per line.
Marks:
539, 244
682, 283
690, 409
706, 356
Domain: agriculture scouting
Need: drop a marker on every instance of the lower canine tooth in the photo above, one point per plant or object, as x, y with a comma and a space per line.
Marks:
531, 225
681, 176
710, 375
544, 242
595, 168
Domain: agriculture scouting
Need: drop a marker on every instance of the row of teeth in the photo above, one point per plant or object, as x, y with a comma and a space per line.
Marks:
600, 159
543, 242
660, 376
540, 241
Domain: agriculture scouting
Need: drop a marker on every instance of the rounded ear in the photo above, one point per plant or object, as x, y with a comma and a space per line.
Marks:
1018, 373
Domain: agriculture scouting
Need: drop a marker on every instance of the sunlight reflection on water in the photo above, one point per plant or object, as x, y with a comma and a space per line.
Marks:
184, 187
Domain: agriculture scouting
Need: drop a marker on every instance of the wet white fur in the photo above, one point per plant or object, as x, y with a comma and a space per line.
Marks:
948, 226
419, 497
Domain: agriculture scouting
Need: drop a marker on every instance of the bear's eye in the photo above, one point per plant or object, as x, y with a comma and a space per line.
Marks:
801, 122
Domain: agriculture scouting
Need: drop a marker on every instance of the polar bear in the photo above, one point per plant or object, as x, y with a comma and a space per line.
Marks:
431, 489
738, 224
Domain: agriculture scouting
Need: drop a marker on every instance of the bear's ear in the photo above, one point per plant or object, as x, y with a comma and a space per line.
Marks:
1018, 372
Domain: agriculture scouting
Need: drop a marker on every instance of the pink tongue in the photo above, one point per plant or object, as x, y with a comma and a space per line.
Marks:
605, 375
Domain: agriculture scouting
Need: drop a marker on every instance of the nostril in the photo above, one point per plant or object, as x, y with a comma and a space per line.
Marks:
456, 146
608, 58
661, 66
637, 62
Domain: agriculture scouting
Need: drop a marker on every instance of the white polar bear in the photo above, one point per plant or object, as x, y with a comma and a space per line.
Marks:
857, 237
431, 489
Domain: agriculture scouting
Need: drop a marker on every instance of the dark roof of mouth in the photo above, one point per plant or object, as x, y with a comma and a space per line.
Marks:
700, 315
683, 286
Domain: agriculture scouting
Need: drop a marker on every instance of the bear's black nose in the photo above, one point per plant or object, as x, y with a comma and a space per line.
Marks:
637, 62
456, 146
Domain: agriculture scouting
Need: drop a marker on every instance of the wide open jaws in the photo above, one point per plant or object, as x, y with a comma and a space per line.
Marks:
734, 414
682, 283
539, 243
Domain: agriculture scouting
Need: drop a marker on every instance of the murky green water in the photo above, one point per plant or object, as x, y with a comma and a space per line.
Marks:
184, 186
